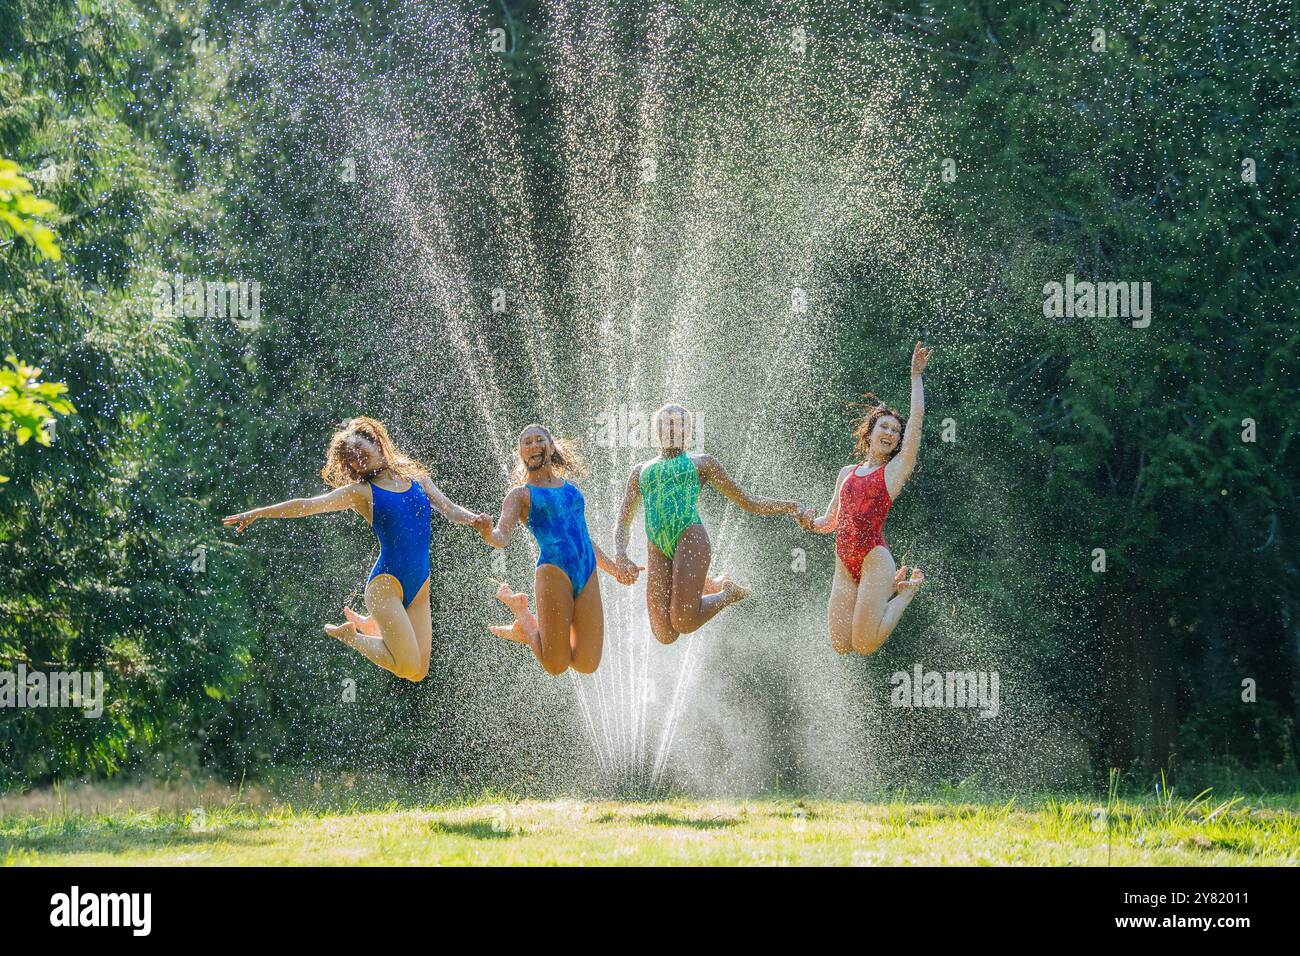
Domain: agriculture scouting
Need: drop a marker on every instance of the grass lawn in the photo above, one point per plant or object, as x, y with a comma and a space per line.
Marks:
212, 826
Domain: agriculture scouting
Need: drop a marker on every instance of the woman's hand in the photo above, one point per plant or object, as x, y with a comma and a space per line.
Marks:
920, 359
482, 523
625, 571
240, 521
806, 517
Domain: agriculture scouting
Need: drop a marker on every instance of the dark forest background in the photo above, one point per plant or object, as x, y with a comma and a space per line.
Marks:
162, 158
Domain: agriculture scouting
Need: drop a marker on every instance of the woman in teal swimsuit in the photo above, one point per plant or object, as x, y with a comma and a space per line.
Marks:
680, 596
569, 628
395, 495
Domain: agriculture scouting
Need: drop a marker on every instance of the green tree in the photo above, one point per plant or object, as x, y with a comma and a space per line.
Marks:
105, 562
26, 404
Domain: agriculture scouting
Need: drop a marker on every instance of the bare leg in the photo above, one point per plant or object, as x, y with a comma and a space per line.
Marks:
898, 604
421, 617
511, 632
875, 613
525, 628
691, 608
587, 640
839, 613
548, 634
554, 646
365, 624
659, 594
397, 649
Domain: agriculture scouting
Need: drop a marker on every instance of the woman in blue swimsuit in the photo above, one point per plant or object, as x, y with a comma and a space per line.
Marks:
569, 628
395, 495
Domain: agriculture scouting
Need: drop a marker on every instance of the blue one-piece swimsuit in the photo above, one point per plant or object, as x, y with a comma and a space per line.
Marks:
557, 517
403, 523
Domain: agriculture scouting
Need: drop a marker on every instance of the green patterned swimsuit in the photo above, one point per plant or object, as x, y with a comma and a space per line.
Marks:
670, 488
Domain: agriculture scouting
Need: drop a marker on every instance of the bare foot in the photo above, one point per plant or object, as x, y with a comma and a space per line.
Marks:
513, 599
911, 584
364, 623
343, 632
528, 627
511, 632
732, 591
900, 577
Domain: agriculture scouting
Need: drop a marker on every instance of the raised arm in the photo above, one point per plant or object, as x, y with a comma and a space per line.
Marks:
900, 469
512, 510
340, 499
448, 508
712, 472
828, 522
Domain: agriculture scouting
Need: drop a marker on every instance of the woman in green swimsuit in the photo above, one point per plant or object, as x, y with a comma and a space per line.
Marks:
680, 596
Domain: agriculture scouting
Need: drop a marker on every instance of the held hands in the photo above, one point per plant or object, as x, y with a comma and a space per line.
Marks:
920, 359
482, 523
625, 571
240, 521
806, 518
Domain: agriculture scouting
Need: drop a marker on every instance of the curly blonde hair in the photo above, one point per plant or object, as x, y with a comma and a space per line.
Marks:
343, 464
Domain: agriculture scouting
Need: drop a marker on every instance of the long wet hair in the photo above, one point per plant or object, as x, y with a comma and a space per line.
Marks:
343, 465
564, 461
871, 410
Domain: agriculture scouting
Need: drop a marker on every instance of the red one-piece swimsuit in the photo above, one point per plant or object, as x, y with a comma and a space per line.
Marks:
864, 503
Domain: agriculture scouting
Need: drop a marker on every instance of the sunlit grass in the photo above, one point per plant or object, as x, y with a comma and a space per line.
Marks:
251, 828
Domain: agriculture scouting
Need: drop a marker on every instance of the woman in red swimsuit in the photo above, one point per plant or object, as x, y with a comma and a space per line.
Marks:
869, 594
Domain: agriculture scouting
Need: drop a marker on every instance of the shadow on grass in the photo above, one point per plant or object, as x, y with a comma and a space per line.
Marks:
478, 829
662, 819
119, 841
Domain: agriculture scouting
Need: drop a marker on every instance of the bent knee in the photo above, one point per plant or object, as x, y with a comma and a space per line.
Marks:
684, 623
555, 665
415, 674
663, 633
866, 644
585, 666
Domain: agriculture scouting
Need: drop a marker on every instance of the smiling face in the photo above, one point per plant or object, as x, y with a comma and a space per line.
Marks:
534, 447
361, 449
885, 436
362, 455
878, 434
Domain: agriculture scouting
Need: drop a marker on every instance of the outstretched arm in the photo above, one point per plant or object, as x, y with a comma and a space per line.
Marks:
446, 507
511, 511
340, 499
900, 469
711, 471
626, 512
831, 519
